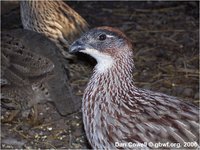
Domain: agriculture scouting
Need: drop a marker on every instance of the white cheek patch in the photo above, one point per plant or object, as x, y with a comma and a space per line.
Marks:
104, 61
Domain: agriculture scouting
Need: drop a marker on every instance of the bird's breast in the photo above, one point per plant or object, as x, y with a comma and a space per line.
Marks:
103, 104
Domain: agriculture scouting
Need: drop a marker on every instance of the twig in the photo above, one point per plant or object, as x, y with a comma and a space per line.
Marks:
44, 125
23, 135
46, 143
186, 70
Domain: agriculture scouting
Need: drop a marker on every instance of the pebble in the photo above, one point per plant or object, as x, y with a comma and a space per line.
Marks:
49, 128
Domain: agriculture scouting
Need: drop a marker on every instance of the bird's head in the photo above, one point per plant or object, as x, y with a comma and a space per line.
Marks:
105, 44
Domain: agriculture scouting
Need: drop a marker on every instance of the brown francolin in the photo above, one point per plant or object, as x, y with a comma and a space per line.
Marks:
116, 113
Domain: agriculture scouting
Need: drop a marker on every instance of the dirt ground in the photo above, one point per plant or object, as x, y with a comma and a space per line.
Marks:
165, 36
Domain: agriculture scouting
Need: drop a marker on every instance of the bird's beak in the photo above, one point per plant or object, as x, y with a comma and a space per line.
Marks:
77, 46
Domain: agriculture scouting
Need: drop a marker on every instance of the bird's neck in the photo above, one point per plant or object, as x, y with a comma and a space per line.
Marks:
105, 93
117, 72
115, 81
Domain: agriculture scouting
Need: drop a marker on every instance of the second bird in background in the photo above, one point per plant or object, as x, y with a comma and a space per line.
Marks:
54, 19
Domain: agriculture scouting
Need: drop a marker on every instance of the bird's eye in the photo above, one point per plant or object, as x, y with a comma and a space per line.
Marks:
102, 37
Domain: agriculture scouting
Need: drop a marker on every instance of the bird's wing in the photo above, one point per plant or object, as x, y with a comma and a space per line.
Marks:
23, 60
165, 117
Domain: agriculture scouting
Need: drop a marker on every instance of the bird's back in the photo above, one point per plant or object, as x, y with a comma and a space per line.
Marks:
54, 19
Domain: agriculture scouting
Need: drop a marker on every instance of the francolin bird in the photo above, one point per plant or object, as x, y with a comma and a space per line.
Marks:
23, 75
32, 72
116, 112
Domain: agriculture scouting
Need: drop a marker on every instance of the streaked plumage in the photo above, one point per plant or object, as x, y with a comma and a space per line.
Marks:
33, 72
115, 110
23, 75
54, 19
